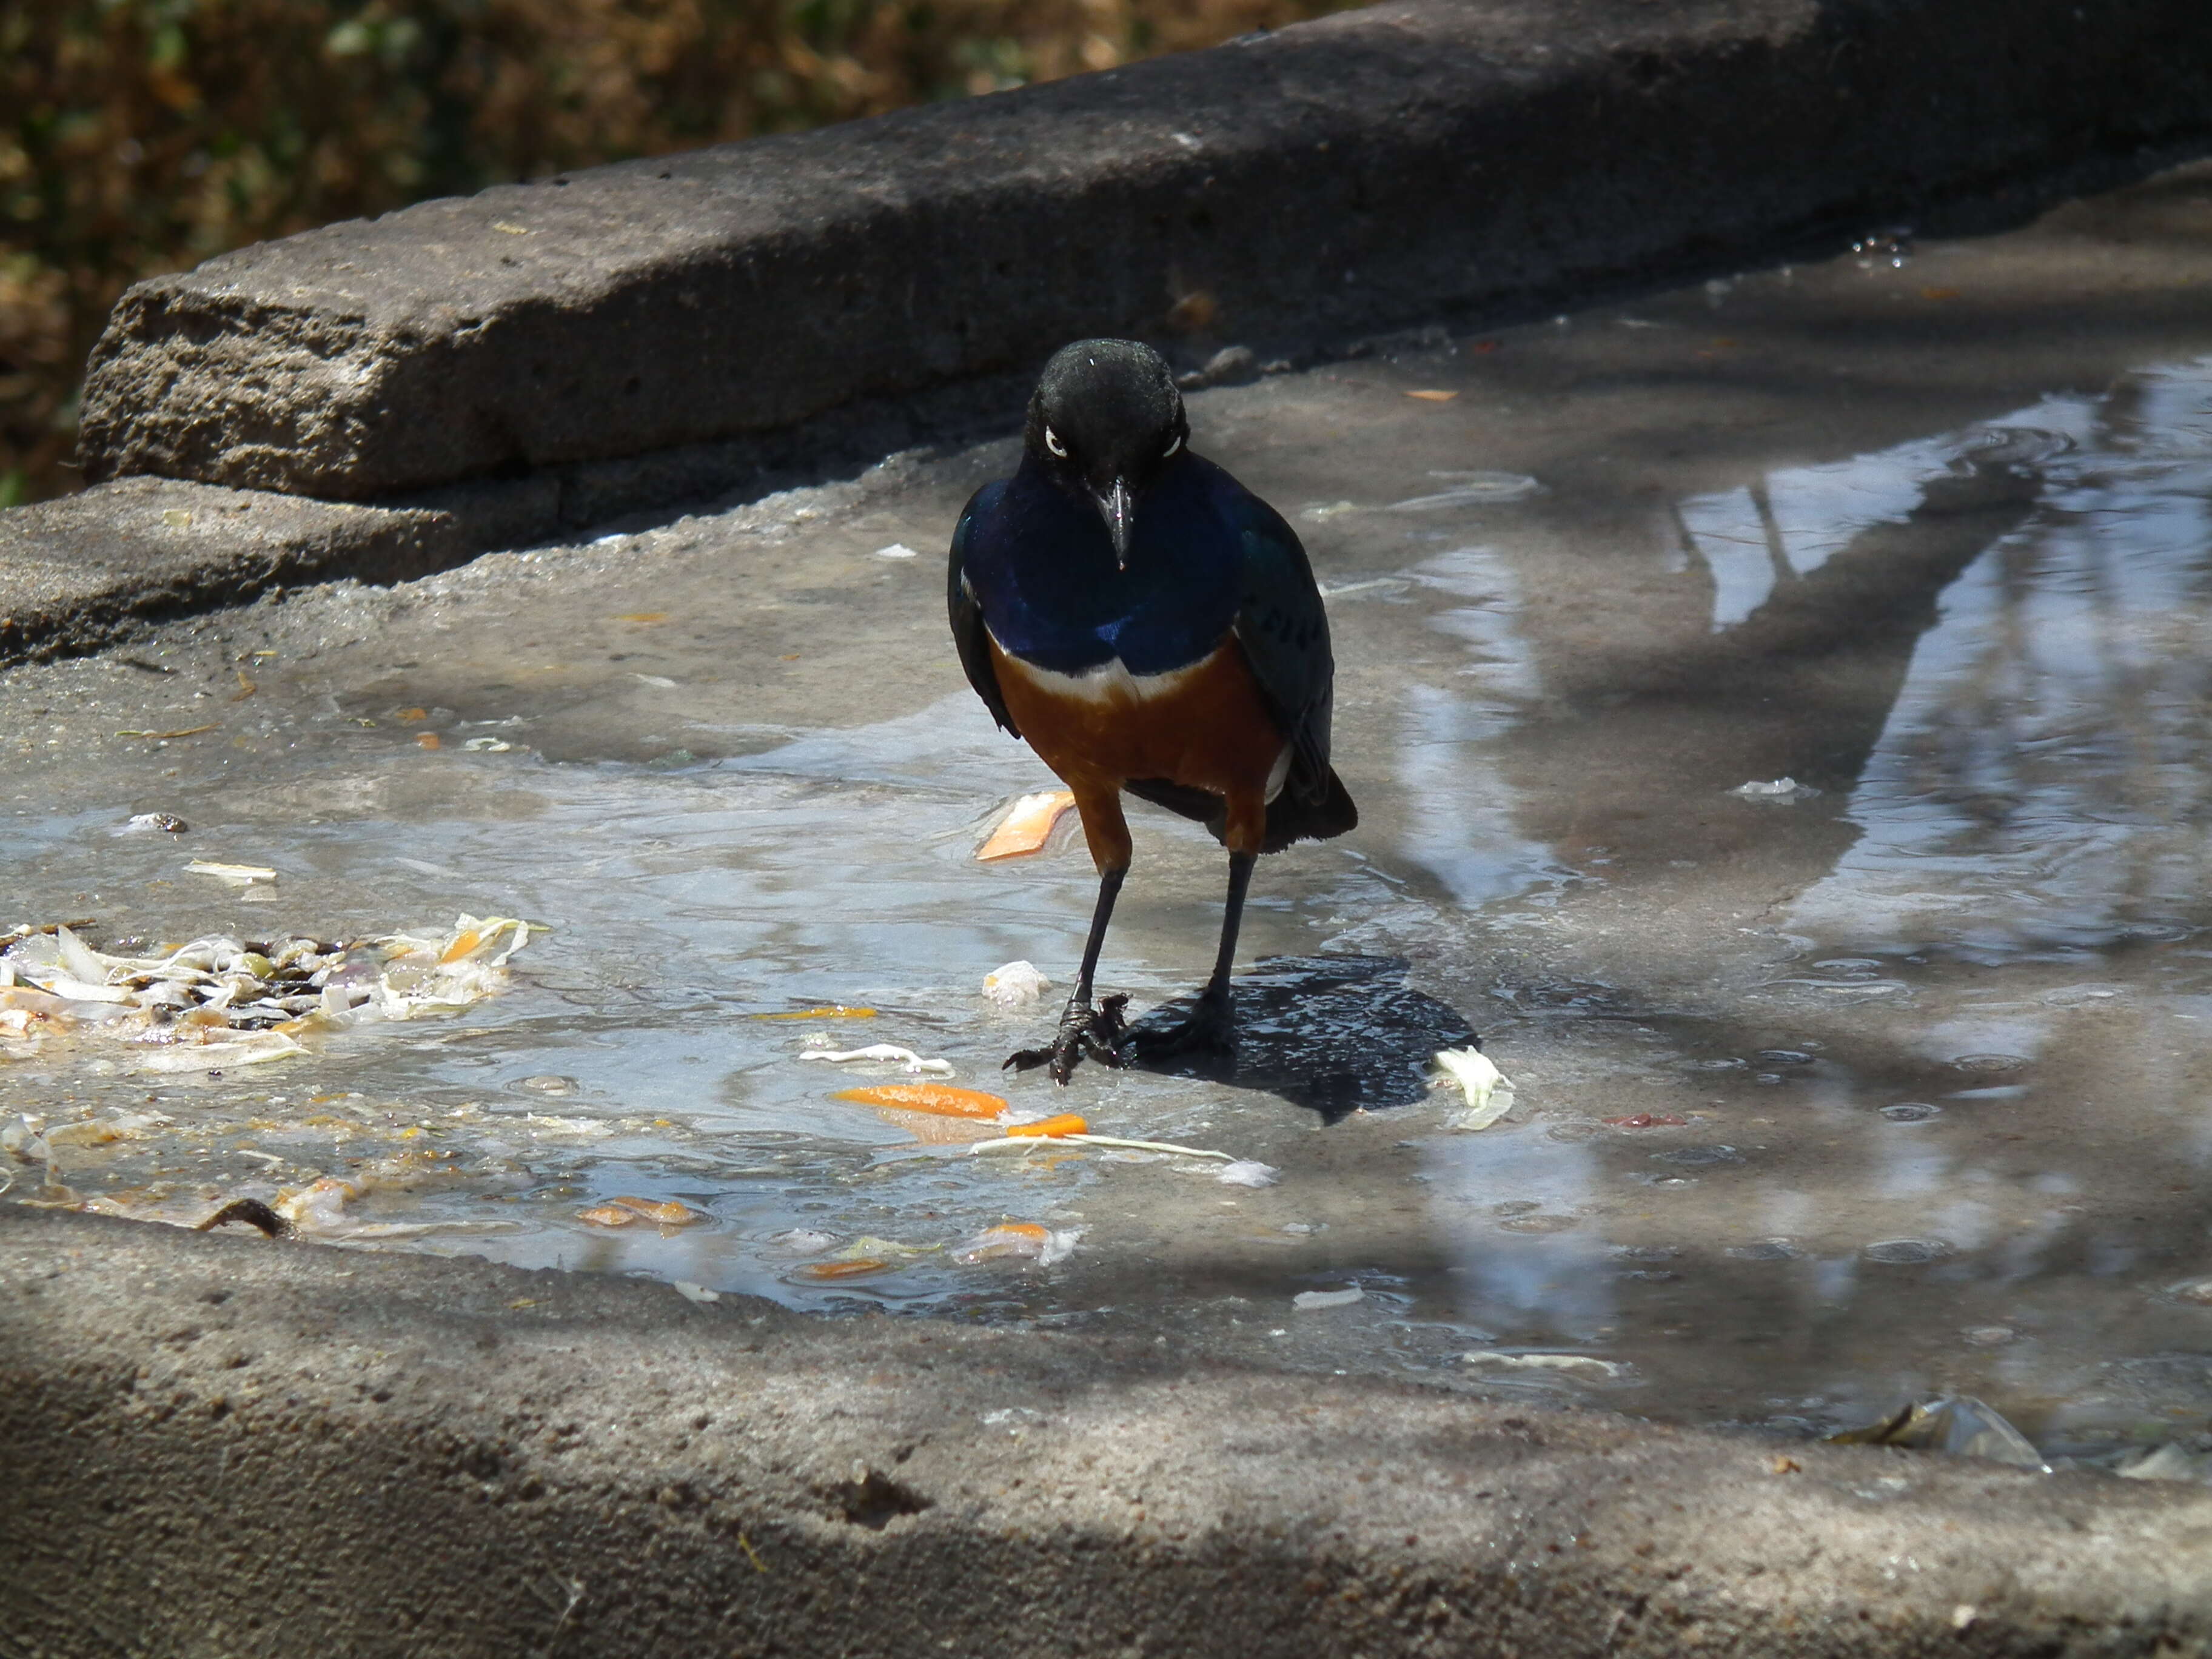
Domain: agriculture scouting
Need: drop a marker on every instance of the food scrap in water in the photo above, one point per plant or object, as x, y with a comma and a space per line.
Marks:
1015, 985
941, 1098
865, 1255
628, 1212
1002, 1143
852, 1269
832, 1011
235, 875
1648, 1121
1572, 1363
1489, 1094
915, 1064
1959, 1424
1018, 1240
1026, 827
1067, 1124
1248, 1172
221, 1001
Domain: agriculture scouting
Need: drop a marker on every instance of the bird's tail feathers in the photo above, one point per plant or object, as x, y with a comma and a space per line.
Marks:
1296, 814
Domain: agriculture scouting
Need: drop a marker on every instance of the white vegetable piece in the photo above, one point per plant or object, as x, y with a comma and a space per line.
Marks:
235, 875
1489, 1093
915, 1064
1574, 1363
1248, 1172
1015, 984
1307, 1301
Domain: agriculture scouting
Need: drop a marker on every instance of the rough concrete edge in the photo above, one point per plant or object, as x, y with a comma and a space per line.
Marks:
226, 1444
77, 573
81, 572
1667, 128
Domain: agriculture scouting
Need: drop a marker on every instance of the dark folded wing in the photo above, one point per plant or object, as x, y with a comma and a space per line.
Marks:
1285, 633
967, 616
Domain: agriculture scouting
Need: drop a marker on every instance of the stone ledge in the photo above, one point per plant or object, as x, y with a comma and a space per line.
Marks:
82, 571
223, 1445
1392, 164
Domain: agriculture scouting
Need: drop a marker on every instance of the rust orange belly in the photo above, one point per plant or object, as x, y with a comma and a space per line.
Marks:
1203, 727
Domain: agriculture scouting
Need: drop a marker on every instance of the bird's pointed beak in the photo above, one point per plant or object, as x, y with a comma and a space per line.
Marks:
1119, 509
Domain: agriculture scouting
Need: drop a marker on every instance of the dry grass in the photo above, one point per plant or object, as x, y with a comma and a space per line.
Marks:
144, 136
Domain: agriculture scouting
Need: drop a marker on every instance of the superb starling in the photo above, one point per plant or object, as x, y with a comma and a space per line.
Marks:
1149, 624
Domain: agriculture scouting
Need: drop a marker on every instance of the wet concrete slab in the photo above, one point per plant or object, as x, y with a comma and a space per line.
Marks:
1878, 1087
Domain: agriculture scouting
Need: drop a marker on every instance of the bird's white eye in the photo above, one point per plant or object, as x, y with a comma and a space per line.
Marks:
1174, 444
1052, 442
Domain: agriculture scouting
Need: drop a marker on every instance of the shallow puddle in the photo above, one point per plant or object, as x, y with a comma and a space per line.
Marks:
1886, 1083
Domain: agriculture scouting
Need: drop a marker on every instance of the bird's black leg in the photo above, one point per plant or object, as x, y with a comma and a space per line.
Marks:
1210, 1029
1084, 1029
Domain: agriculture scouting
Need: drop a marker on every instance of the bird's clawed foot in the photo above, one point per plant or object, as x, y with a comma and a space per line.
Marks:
1210, 1030
1096, 1032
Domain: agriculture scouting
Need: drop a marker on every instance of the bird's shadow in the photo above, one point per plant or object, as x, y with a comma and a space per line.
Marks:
1334, 1034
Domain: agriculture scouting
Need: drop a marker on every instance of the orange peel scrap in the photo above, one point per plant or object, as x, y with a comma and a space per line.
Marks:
851, 1269
627, 1212
1026, 827
1433, 397
941, 1098
828, 1010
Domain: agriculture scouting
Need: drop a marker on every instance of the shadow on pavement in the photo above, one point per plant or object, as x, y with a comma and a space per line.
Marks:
1335, 1034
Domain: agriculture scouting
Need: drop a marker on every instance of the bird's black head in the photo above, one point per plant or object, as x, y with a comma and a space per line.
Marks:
1105, 422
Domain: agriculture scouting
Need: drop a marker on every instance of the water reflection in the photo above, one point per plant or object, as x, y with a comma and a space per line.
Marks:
1459, 822
1516, 1284
1995, 645
2041, 779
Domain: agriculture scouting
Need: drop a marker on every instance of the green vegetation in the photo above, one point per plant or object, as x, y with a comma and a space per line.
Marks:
143, 135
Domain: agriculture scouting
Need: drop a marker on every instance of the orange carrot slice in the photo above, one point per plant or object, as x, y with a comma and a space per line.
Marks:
833, 1011
1431, 397
843, 1269
938, 1097
1066, 1124
609, 1215
1027, 827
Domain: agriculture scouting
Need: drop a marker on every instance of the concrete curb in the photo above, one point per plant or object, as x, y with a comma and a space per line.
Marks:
79, 571
223, 1445
1379, 165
